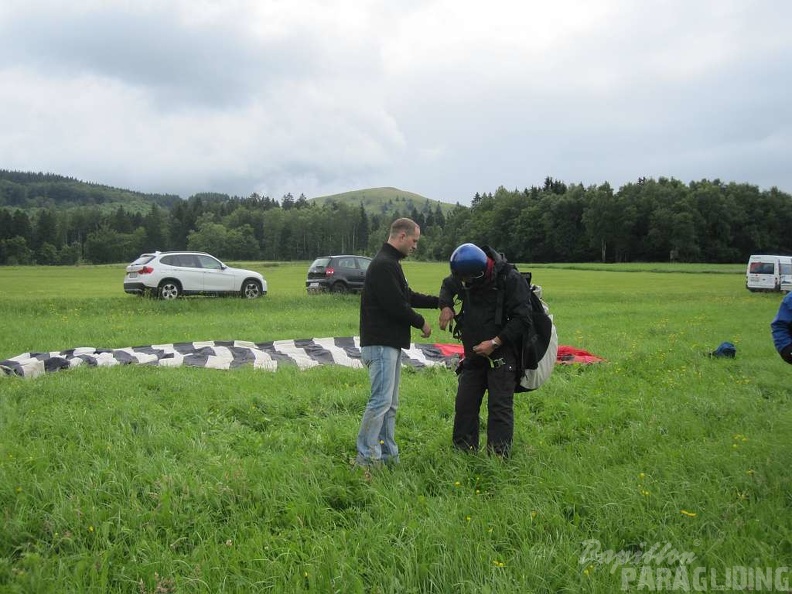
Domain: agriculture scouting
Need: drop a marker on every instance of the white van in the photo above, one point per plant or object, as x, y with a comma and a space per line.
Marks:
769, 273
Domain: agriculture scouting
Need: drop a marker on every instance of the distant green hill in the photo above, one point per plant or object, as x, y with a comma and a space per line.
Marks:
27, 190
386, 201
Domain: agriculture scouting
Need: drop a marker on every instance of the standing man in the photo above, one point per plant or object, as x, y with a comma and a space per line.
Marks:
386, 316
781, 327
495, 313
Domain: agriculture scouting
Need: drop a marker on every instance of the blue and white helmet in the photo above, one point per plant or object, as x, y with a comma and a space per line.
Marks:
468, 261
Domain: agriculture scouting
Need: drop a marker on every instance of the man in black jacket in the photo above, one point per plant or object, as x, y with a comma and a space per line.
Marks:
386, 316
492, 330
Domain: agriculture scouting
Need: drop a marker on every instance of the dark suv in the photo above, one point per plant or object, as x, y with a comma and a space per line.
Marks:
339, 274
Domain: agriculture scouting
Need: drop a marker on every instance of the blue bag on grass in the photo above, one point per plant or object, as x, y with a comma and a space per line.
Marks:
725, 349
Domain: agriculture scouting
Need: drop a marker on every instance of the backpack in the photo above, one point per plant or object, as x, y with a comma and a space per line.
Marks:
540, 344
725, 349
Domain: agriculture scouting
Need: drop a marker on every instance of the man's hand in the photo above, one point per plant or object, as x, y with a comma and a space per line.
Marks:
446, 315
426, 331
484, 348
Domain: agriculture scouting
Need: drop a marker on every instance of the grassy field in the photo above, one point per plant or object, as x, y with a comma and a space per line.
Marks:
657, 465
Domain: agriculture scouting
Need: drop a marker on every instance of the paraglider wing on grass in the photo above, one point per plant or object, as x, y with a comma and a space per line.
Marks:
304, 353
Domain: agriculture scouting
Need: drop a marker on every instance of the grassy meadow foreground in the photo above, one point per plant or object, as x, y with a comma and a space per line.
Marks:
144, 479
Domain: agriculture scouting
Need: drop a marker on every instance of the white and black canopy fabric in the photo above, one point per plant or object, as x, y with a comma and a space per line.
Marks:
269, 356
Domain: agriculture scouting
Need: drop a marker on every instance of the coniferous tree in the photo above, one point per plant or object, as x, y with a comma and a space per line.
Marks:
6, 224
21, 226
154, 226
46, 229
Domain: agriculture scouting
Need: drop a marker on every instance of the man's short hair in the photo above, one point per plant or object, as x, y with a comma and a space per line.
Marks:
403, 224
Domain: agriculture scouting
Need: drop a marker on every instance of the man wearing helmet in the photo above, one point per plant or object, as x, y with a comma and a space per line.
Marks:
491, 344
386, 316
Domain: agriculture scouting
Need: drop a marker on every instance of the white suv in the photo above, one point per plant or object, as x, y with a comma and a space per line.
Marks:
170, 274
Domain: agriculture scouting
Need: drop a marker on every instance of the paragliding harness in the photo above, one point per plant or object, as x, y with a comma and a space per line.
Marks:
537, 355
540, 342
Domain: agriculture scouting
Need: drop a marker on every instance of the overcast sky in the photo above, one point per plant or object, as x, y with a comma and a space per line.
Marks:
444, 98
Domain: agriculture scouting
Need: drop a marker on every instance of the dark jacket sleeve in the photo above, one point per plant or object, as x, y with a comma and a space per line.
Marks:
423, 301
448, 292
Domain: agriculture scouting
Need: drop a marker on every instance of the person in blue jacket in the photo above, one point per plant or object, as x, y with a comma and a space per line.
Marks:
781, 328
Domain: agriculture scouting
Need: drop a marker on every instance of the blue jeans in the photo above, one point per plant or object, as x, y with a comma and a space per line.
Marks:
376, 440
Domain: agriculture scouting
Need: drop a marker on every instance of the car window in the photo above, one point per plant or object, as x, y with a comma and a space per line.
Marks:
320, 263
190, 261
363, 263
347, 263
762, 268
208, 262
181, 260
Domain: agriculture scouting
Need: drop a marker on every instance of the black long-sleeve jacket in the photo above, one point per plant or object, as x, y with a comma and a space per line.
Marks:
387, 302
480, 305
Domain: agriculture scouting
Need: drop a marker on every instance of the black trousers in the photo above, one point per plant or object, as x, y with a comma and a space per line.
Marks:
477, 376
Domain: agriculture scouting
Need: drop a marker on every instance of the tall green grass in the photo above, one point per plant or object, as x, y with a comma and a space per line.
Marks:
143, 479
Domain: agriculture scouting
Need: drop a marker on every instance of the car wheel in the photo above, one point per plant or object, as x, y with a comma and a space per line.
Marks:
339, 288
169, 290
251, 289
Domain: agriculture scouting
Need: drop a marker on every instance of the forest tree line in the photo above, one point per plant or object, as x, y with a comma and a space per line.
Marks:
648, 221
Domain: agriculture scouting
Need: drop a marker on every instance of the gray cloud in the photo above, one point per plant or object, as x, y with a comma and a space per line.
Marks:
441, 98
